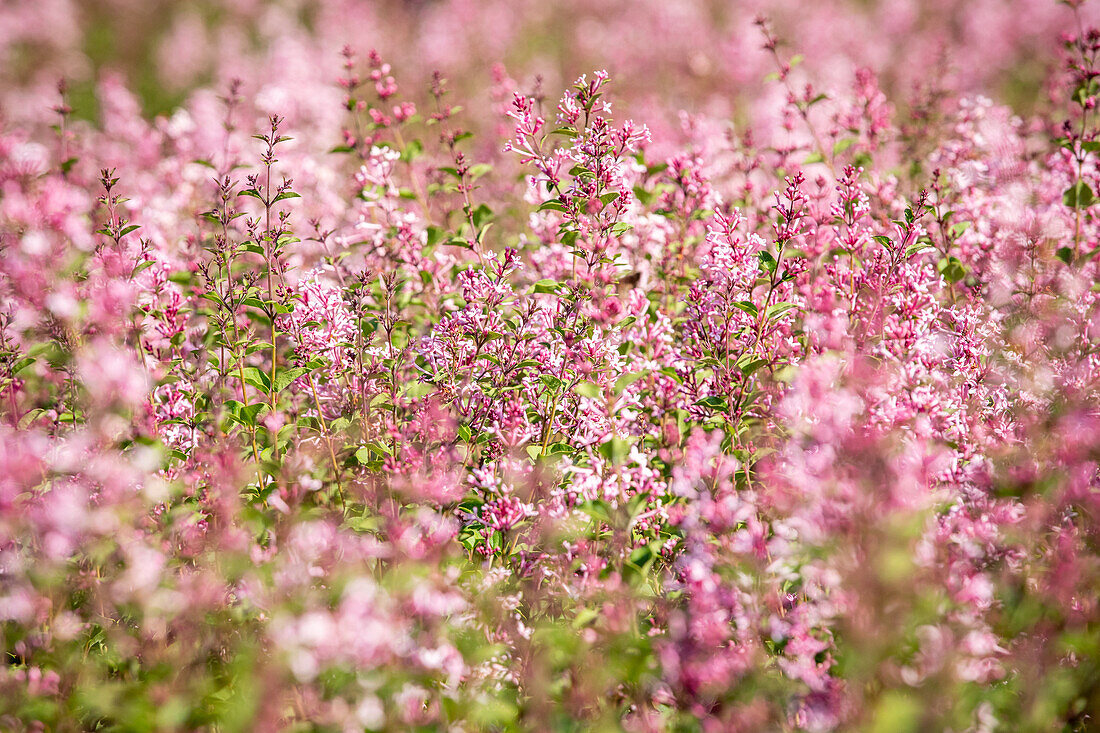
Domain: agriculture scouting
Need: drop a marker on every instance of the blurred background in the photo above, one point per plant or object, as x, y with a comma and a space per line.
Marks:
664, 55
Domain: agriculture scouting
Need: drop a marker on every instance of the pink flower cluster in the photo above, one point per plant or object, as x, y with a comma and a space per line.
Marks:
327, 403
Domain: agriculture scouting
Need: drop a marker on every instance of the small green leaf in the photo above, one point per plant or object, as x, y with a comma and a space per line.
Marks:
714, 402
952, 269
256, 378
958, 229
588, 389
767, 261
615, 450
778, 309
746, 306
481, 215
435, 235
479, 170
412, 151
751, 365
22, 364
1078, 196
842, 145
248, 413
626, 380
284, 377
598, 509
551, 205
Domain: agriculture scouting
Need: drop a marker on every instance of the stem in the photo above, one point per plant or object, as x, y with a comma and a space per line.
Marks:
417, 190
328, 439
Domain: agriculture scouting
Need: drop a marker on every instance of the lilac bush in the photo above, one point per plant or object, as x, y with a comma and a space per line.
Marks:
349, 385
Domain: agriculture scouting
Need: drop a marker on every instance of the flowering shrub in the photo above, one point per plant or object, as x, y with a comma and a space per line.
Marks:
327, 404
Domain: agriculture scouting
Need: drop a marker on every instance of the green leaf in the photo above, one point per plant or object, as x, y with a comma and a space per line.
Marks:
714, 402
642, 559
626, 380
550, 381
842, 145
584, 617
558, 448
481, 215
256, 378
917, 247
435, 235
479, 170
545, 286
746, 306
284, 377
598, 509
412, 151
22, 364
958, 229
778, 309
588, 389
417, 390
767, 261
1078, 196
615, 450
248, 413
952, 269
896, 712
751, 365
551, 205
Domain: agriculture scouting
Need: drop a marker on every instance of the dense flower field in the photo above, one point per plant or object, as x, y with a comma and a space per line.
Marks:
363, 369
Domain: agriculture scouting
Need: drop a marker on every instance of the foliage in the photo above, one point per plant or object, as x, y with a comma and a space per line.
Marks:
345, 417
